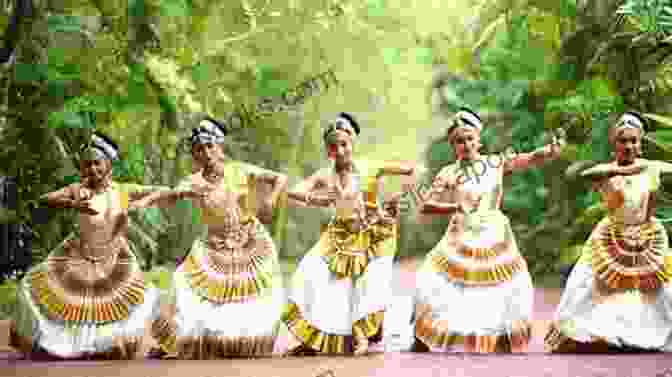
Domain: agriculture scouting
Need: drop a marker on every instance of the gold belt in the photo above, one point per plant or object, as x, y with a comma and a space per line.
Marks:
348, 253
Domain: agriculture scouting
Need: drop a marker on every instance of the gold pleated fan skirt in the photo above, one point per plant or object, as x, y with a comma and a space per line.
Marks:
74, 289
223, 275
348, 253
630, 257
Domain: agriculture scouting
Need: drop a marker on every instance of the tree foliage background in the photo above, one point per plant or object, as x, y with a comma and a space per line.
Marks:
144, 71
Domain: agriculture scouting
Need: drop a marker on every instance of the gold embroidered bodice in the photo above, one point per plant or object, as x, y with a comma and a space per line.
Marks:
627, 198
480, 194
98, 232
228, 209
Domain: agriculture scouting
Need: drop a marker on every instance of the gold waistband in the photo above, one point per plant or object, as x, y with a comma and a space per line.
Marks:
76, 248
348, 253
490, 275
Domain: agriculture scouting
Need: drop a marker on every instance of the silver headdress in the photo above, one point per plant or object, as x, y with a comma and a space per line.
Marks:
344, 122
630, 120
467, 117
208, 131
101, 147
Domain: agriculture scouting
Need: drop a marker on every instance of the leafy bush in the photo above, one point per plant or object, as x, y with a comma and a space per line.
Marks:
7, 298
160, 277
650, 16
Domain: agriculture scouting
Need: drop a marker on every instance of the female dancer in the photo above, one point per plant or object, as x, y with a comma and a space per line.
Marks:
618, 296
89, 299
227, 294
340, 289
474, 287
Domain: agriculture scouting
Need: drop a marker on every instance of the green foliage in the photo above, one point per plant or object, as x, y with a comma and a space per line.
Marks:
69, 119
570, 255
27, 73
568, 9
64, 23
137, 89
7, 298
202, 73
651, 16
376, 8
69, 179
136, 161
664, 214
152, 216
268, 85
663, 136
176, 8
160, 277
594, 100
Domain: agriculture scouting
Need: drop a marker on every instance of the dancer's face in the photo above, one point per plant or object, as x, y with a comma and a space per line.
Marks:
207, 154
196, 157
466, 141
339, 147
627, 144
95, 171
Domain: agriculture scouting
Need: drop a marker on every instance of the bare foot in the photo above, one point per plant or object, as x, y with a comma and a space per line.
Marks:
362, 347
296, 347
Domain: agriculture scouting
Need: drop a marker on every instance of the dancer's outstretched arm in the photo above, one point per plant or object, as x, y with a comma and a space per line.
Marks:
438, 199
523, 161
605, 171
278, 181
136, 191
68, 197
252, 175
164, 198
304, 192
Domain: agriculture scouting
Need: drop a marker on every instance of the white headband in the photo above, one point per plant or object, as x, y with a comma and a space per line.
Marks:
629, 121
340, 123
469, 119
207, 132
103, 149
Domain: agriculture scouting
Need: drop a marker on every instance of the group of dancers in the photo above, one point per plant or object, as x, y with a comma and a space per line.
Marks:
90, 299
